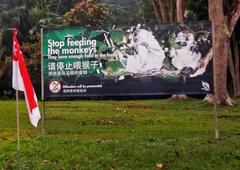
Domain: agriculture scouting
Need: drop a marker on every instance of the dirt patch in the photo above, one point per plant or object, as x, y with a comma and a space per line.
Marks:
137, 106
56, 118
63, 106
114, 121
3, 138
230, 117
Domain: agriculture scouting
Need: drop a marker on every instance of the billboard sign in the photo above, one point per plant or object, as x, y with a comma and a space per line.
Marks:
127, 60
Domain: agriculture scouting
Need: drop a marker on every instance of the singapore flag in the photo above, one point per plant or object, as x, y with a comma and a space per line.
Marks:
21, 81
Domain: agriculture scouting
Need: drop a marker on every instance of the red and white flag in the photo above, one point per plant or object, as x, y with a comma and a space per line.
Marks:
21, 81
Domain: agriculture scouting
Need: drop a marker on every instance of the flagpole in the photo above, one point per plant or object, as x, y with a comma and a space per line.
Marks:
17, 113
17, 106
43, 117
18, 124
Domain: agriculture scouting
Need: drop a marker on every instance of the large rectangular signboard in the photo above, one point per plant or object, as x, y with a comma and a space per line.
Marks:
127, 60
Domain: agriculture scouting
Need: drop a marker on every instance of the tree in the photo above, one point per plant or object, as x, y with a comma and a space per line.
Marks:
87, 12
164, 10
180, 10
224, 15
223, 27
28, 16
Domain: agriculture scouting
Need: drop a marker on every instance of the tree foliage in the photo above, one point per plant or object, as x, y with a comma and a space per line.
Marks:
197, 10
87, 13
29, 16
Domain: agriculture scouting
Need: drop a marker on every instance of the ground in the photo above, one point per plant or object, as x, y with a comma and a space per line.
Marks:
122, 135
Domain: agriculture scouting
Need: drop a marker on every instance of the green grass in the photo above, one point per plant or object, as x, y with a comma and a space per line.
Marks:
122, 135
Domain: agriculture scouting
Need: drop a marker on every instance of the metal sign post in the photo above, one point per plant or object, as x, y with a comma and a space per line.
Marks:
216, 121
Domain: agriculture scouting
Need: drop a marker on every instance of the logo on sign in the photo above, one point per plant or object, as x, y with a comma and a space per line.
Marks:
55, 86
205, 86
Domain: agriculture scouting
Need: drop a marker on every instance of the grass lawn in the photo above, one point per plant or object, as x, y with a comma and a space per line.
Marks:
122, 135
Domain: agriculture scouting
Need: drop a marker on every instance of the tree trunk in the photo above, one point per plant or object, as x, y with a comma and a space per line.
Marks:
237, 66
234, 66
180, 10
59, 4
162, 11
220, 52
156, 11
171, 12
233, 72
223, 27
233, 15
